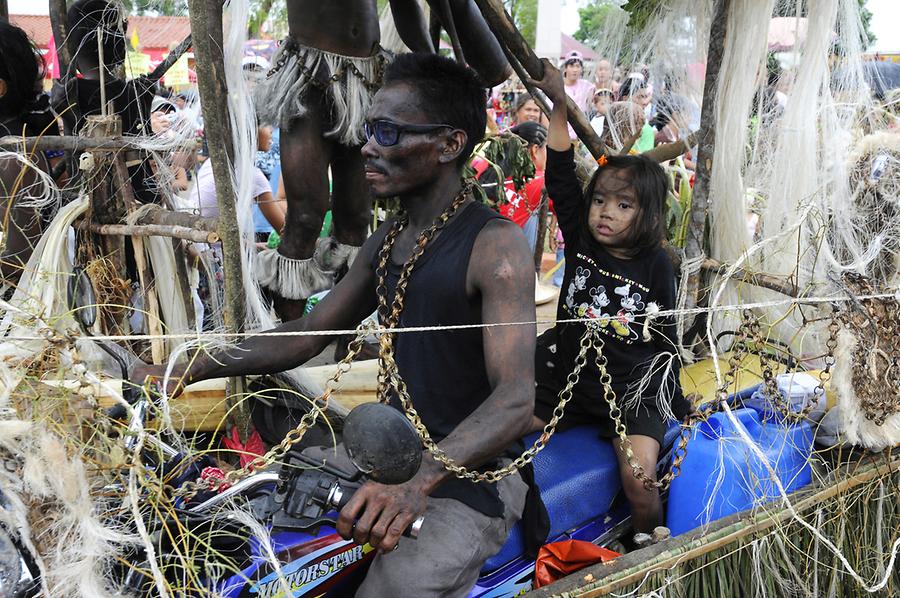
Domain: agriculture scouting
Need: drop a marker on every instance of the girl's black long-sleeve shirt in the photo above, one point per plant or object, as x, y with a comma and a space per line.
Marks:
617, 294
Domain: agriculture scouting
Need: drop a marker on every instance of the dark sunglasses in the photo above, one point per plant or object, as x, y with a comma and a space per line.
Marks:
387, 133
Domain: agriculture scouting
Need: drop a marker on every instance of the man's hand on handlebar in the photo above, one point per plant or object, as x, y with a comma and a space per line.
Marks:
379, 514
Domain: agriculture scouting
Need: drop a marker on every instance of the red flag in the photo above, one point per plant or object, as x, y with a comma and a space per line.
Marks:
51, 64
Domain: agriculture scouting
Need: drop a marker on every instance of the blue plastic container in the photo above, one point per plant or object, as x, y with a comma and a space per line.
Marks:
721, 476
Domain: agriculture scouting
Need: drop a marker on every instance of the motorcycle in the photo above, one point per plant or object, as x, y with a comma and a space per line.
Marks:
295, 505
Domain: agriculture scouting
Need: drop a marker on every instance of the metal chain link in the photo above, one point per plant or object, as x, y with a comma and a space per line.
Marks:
388, 374
738, 352
522, 460
770, 381
295, 435
389, 318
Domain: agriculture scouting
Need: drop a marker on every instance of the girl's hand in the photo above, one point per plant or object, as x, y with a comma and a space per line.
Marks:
551, 83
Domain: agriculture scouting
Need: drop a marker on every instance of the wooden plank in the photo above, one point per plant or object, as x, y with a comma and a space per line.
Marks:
202, 406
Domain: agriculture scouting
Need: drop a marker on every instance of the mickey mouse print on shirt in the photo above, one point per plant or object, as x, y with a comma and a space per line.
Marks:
615, 311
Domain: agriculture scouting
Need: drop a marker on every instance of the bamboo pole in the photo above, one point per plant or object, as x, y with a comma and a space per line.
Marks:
157, 215
206, 25
696, 232
502, 26
780, 284
206, 29
636, 566
150, 230
72, 143
151, 300
522, 74
183, 277
669, 151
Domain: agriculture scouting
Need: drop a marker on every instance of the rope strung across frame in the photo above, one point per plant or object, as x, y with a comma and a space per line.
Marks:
400, 330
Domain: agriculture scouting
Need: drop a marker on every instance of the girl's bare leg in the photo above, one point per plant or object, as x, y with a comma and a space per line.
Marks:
646, 506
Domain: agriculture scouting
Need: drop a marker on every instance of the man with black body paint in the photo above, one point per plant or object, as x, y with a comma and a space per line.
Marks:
321, 83
474, 388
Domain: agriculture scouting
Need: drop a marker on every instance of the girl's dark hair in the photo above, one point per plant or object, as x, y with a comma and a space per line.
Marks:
651, 185
21, 66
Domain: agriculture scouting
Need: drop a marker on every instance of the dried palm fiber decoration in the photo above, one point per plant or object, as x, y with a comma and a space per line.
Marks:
874, 179
743, 55
798, 166
867, 372
48, 476
173, 305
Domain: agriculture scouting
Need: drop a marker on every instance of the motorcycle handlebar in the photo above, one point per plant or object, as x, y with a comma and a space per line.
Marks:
338, 497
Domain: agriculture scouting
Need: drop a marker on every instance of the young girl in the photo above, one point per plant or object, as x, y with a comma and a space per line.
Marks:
616, 273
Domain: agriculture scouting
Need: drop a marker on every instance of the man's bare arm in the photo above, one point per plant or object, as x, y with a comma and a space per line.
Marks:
348, 303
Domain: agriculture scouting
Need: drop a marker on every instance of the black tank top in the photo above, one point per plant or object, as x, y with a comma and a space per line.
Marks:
445, 370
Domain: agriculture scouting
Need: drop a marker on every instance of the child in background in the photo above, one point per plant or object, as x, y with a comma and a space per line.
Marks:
617, 275
635, 90
602, 99
580, 90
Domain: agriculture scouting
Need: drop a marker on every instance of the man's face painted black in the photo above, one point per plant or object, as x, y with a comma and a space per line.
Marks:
417, 157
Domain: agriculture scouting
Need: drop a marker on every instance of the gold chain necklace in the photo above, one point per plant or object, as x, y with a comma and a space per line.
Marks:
389, 313
388, 373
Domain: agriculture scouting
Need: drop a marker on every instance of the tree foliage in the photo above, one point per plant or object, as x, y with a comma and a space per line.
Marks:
524, 15
593, 16
591, 19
